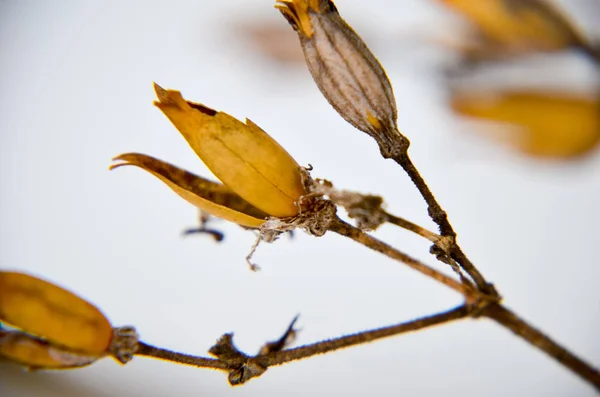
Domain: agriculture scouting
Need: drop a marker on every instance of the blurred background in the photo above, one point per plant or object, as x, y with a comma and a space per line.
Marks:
76, 80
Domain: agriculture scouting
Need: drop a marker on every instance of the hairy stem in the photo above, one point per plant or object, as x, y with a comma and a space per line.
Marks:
533, 336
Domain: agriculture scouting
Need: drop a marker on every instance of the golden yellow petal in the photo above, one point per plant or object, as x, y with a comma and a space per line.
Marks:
296, 12
45, 310
214, 198
553, 125
244, 157
34, 353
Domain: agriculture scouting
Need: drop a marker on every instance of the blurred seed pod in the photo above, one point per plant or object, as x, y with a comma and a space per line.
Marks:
513, 27
555, 125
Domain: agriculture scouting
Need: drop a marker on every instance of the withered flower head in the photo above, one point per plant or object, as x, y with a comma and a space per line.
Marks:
345, 70
53, 328
260, 179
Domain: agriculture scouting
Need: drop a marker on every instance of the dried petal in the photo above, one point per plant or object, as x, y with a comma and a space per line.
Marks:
54, 314
241, 155
35, 353
214, 198
345, 70
553, 125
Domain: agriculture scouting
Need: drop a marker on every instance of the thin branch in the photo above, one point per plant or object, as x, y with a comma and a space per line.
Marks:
489, 308
144, 349
238, 363
439, 216
442, 244
518, 326
356, 234
413, 227
360, 338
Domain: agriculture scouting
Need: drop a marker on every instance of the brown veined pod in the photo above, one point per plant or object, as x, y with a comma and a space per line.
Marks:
345, 70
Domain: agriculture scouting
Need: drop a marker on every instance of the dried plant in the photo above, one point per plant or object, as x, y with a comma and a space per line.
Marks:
263, 188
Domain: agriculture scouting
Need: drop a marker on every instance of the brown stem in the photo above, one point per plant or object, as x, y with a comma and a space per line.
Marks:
438, 215
356, 234
360, 338
441, 248
494, 310
412, 227
144, 349
284, 356
509, 320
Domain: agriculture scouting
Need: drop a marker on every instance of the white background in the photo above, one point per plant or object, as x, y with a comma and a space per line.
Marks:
75, 90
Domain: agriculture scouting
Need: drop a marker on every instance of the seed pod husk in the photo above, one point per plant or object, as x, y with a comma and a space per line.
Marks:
344, 68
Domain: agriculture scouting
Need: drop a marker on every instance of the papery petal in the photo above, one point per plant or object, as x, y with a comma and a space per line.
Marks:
242, 156
214, 198
42, 309
35, 353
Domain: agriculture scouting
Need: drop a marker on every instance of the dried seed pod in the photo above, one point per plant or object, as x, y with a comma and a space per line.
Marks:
241, 155
55, 329
345, 70
260, 179
60, 317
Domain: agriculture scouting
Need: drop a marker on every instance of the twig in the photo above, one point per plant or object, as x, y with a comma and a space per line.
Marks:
487, 308
236, 362
442, 247
518, 326
144, 349
330, 345
356, 234
437, 214
413, 227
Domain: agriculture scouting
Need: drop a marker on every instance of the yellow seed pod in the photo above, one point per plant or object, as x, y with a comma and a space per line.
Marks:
34, 353
47, 311
241, 155
215, 198
542, 124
